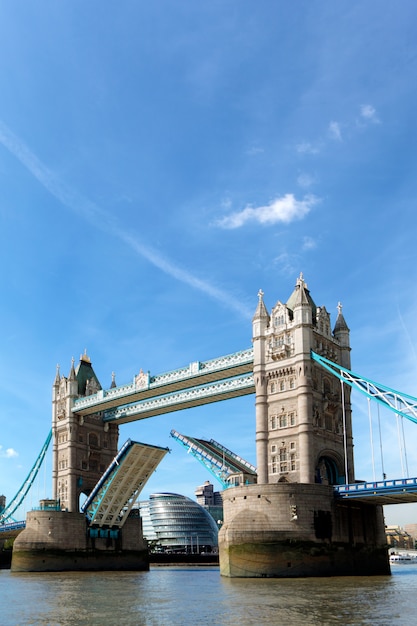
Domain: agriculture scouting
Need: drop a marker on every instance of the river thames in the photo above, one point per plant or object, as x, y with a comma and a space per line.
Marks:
176, 596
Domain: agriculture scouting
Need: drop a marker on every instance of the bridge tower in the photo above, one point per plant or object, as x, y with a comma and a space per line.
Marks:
291, 523
83, 447
303, 425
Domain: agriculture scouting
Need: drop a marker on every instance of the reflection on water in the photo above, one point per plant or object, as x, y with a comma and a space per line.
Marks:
194, 595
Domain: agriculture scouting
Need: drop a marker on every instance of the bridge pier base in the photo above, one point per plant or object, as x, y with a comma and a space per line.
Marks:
297, 530
55, 541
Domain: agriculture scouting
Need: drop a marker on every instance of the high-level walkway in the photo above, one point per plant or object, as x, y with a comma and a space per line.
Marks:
199, 383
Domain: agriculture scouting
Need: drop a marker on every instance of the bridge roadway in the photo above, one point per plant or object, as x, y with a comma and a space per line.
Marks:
196, 384
395, 491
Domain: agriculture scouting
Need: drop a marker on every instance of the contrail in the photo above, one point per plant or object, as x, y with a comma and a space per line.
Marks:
103, 220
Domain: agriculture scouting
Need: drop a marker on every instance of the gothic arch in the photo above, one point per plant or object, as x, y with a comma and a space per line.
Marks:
329, 468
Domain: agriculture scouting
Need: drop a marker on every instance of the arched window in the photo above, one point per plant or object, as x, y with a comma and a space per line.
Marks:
93, 440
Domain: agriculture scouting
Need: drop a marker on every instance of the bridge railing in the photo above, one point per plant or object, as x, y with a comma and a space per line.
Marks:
145, 381
397, 484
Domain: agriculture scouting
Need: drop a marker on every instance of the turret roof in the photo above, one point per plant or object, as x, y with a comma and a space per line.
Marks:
84, 372
301, 296
261, 312
340, 322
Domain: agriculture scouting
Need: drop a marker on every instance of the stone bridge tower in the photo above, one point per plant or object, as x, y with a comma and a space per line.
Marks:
83, 447
291, 523
303, 431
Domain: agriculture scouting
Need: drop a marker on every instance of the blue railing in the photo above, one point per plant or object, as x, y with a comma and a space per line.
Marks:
12, 526
398, 485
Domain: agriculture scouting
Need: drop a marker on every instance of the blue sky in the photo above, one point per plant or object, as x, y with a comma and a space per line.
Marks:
160, 162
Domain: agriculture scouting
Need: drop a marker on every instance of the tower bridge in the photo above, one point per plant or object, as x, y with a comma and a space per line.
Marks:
299, 501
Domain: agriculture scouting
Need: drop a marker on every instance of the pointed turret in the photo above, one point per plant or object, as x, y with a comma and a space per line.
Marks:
301, 304
340, 326
87, 380
260, 320
261, 312
341, 333
57, 377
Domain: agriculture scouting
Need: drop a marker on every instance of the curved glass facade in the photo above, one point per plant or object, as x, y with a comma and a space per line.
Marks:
175, 523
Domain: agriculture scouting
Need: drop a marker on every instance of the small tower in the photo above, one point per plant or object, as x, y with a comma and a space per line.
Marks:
303, 432
83, 447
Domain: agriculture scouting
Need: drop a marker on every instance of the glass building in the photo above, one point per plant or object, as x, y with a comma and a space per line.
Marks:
176, 524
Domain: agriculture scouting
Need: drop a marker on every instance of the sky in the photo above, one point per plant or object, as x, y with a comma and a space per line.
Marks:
160, 162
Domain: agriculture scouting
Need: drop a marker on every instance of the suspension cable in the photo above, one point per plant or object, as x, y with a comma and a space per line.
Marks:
380, 445
372, 438
400, 443
404, 446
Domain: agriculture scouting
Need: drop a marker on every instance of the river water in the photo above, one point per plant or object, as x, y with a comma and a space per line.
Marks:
178, 596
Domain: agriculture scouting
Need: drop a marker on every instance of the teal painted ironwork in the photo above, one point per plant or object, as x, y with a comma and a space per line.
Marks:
95, 499
17, 500
400, 403
219, 461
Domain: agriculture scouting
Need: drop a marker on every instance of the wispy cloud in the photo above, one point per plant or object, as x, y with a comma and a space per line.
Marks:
309, 243
307, 147
287, 263
335, 131
103, 220
285, 210
9, 453
305, 180
368, 113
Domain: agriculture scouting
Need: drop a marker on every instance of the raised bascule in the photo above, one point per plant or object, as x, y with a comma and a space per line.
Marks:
291, 516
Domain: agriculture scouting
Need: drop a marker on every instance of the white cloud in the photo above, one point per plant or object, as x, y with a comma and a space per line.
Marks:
254, 150
368, 113
9, 453
103, 220
287, 263
285, 210
307, 148
305, 180
335, 131
309, 243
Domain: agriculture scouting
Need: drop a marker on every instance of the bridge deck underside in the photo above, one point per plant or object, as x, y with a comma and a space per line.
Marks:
123, 415
111, 500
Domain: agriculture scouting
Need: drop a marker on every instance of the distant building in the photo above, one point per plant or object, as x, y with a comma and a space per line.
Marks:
2, 503
411, 529
176, 524
399, 538
211, 501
